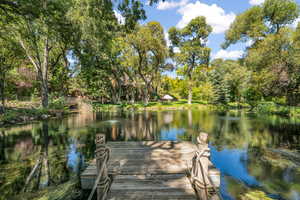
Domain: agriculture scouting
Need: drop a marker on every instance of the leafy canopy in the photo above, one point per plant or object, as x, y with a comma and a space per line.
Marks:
259, 21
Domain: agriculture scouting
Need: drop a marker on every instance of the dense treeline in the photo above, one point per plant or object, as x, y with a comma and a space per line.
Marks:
98, 49
269, 69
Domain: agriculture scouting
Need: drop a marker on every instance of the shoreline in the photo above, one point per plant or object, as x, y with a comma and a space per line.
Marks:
21, 116
263, 108
30, 114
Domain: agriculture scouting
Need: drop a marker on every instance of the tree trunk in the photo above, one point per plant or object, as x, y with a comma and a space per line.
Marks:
2, 147
2, 94
44, 91
132, 96
42, 69
146, 95
44, 72
190, 88
114, 97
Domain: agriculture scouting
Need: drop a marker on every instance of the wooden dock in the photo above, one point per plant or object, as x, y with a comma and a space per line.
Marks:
152, 170
146, 170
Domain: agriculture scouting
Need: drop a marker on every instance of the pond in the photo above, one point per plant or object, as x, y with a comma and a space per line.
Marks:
256, 154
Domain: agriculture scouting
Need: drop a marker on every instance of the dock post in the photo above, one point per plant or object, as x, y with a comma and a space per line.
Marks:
102, 156
205, 177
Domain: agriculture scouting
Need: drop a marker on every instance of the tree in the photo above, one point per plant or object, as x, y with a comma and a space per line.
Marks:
98, 51
259, 21
148, 54
39, 36
230, 80
10, 56
272, 53
191, 42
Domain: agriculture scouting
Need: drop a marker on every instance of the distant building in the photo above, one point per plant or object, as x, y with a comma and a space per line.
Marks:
168, 97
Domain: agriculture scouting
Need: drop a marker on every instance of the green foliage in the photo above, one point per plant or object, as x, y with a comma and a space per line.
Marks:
13, 176
35, 95
273, 57
280, 13
248, 25
65, 191
204, 92
272, 108
21, 115
230, 80
174, 86
255, 195
191, 42
57, 103
259, 21
173, 105
252, 96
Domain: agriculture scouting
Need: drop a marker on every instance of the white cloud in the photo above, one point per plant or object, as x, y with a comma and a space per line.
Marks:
215, 15
171, 4
256, 2
228, 54
119, 17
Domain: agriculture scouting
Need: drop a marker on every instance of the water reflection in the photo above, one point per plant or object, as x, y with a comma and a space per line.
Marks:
237, 167
242, 148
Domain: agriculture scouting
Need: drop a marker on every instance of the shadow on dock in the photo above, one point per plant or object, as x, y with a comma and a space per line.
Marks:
149, 170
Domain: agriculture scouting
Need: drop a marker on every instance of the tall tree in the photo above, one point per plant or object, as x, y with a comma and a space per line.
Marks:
148, 54
98, 50
230, 80
271, 55
39, 35
258, 22
192, 51
10, 55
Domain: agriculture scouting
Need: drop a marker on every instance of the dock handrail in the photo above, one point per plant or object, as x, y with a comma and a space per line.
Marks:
199, 171
102, 156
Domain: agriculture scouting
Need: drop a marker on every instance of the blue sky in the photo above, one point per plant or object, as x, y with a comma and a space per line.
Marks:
219, 14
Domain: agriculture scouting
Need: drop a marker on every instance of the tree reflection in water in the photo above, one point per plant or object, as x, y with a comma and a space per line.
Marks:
241, 148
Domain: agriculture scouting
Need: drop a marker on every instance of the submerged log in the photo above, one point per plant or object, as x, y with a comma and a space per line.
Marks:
66, 191
34, 170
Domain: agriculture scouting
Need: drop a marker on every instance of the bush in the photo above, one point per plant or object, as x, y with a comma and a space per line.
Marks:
35, 95
8, 116
272, 108
204, 92
57, 103
252, 96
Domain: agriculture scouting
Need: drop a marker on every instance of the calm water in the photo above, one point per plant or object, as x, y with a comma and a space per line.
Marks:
252, 153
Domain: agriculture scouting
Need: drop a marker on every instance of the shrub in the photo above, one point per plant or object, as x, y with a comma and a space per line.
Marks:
204, 92
57, 103
272, 108
8, 116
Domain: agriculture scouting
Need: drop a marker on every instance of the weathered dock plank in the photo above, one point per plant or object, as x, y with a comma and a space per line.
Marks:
167, 186
146, 170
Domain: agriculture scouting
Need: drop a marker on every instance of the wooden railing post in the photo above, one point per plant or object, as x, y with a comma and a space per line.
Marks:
102, 156
205, 177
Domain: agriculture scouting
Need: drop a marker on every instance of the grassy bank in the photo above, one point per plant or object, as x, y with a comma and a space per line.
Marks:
155, 106
20, 112
277, 109
269, 108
